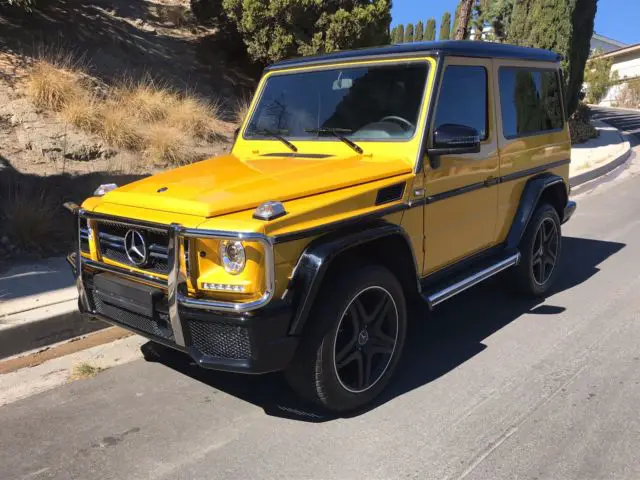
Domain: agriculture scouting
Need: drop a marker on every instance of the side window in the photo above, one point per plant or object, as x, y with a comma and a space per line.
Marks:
463, 98
530, 101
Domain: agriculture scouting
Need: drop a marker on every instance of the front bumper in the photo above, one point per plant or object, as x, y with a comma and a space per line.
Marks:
240, 337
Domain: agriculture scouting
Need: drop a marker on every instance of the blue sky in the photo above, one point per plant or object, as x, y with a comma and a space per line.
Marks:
617, 19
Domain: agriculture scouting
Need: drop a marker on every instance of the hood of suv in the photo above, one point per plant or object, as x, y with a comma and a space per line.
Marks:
226, 184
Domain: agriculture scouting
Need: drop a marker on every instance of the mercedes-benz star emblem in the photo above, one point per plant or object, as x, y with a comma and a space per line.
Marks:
135, 247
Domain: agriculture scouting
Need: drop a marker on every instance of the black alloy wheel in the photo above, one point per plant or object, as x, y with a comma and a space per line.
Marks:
540, 250
545, 251
353, 340
366, 339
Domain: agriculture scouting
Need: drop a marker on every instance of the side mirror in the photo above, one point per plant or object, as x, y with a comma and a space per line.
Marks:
453, 139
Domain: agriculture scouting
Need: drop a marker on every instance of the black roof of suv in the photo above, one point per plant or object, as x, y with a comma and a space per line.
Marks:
465, 48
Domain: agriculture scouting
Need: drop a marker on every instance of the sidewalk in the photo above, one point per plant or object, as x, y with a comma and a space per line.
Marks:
38, 301
595, 153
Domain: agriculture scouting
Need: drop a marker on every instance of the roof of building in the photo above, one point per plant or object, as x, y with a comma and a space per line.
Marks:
603, 38
464, 48
635, 48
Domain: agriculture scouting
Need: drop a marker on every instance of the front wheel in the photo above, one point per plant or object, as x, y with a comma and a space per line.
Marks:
540, 249
353, 341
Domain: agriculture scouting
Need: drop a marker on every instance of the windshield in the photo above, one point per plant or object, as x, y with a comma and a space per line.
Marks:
361, 103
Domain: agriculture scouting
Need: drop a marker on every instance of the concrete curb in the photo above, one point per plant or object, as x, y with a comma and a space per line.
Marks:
603, 169
42, 327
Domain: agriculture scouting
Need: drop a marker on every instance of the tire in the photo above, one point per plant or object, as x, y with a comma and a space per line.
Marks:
358, 326
538, 267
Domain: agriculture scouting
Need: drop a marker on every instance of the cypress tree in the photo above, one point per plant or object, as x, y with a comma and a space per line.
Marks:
394, 33
564, 26
456, 19
408, 33
400, 34
418, 35
445, 26
430, 31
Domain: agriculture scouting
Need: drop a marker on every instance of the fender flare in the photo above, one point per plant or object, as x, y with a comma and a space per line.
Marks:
533, 190
309, 272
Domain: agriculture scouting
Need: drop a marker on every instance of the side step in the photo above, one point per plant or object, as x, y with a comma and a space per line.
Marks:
450, 288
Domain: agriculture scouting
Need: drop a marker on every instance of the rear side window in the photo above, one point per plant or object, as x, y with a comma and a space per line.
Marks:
530, 101
463, 98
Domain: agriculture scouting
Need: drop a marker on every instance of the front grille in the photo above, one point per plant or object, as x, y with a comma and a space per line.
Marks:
159, 326
111, 238
219, 340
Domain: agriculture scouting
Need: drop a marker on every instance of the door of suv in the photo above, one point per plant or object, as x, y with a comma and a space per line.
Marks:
462, 198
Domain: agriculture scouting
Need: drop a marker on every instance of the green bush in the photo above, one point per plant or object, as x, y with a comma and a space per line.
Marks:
276, 29
580, 125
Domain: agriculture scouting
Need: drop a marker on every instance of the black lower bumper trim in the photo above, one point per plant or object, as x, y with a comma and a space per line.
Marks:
569, 210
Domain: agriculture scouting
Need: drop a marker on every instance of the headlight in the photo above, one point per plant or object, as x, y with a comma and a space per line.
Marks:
233, 256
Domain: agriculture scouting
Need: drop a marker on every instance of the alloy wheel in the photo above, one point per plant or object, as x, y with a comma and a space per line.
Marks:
545, 251
366, 339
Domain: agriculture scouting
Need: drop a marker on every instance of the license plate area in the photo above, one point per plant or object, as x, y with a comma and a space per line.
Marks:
128, 295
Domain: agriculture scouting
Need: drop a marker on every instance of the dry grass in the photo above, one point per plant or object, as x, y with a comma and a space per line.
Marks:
176, 15
138, 116
241, 110
30, 216
119, 128
83, 111
195, 117
52, 87
84, 370
167, 145
145, 100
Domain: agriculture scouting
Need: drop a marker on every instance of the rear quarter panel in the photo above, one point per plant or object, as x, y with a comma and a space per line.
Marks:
518, 155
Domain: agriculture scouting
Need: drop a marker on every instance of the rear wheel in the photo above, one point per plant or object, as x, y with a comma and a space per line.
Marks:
353, 341
540, 248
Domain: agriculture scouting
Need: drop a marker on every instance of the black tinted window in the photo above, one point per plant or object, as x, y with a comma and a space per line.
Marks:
372, 103
530, 101
463, 98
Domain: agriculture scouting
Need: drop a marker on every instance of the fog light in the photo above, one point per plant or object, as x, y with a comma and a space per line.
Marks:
223, 287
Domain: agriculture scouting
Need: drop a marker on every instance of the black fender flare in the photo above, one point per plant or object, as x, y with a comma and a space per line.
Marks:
533, 191
309, 272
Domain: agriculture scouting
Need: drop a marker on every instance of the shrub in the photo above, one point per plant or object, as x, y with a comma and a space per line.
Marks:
275, 29
629, 95
580, 126
598, 76
206, 11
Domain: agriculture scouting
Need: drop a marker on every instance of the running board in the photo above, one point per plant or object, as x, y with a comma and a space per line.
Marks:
435, 298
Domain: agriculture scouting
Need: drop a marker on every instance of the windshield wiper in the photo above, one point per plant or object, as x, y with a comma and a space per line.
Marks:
337, 132
276, 135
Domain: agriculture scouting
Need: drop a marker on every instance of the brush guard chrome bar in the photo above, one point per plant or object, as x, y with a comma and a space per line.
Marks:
176, 284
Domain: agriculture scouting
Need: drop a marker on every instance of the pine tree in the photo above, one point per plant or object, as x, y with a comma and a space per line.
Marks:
430, 30
418, 35
564, 26
499, 17
445, 26
408, 33
400, 34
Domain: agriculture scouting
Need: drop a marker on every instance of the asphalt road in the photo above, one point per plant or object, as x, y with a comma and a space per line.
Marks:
490, 387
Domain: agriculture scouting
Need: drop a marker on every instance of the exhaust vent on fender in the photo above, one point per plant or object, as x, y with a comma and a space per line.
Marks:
390, 193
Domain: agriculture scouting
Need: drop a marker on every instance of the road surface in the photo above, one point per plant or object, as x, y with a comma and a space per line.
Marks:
490, 387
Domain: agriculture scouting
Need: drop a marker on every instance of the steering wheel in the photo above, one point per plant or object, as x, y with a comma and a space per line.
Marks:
401, 120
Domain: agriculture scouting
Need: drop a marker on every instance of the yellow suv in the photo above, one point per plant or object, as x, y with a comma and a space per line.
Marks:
359, 181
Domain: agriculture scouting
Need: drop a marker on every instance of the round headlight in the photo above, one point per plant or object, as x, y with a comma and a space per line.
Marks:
233, 256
